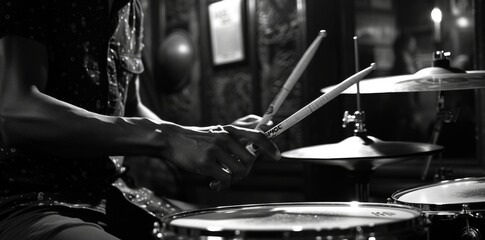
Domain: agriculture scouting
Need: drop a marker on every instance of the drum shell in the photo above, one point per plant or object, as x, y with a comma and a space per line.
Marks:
449, 220
400, 230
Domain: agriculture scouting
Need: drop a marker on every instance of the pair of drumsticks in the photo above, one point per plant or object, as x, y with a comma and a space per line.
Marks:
311, 107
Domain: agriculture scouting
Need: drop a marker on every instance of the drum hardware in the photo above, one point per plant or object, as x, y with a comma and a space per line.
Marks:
358, 118
471, 233
441, 59
467, 233
465, 209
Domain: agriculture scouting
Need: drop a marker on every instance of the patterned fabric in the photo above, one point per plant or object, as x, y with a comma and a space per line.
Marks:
93, 56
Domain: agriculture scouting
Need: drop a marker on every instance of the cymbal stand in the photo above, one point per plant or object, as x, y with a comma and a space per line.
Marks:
443, 115
361, 176
358, 118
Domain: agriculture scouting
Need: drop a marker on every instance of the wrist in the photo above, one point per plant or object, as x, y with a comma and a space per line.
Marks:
162, 136
143, 135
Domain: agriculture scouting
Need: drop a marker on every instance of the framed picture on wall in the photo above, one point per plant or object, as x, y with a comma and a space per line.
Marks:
226, 31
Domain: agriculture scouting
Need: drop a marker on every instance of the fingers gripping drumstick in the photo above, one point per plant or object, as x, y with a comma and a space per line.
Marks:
292, 79
313, 106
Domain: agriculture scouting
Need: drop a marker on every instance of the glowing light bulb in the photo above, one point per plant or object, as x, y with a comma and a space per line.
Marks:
462, 22
436, 15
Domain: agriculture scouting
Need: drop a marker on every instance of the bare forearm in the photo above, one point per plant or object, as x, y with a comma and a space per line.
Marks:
39, 122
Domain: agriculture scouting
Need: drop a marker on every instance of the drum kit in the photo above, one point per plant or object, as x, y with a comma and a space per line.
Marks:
451, 209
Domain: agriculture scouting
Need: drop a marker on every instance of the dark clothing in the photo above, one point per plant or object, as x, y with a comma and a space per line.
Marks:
43, 223
93, 54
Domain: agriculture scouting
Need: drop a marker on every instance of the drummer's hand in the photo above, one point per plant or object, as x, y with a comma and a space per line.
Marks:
251, 121
219, 151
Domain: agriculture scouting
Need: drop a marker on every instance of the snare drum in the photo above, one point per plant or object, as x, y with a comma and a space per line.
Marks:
369, 221
454, 207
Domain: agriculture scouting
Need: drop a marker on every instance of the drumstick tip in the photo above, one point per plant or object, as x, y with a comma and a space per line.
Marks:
323, 32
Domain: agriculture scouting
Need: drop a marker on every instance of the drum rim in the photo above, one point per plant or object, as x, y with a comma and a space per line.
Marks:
450, 208
415, 223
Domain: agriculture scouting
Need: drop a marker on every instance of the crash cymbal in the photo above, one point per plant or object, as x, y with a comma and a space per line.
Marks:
361, 153
427, 79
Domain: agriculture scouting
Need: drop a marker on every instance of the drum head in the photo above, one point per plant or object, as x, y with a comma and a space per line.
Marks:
293, 219
446, 195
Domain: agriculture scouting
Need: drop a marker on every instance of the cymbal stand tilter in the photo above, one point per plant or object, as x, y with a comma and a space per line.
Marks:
443, 115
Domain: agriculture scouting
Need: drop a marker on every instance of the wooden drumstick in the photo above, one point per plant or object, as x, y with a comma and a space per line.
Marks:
313, 106
292, 79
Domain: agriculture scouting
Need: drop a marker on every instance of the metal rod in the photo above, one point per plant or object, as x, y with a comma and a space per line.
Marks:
356, 57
